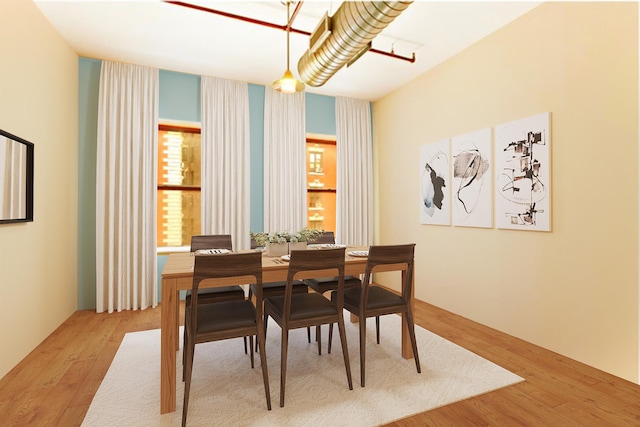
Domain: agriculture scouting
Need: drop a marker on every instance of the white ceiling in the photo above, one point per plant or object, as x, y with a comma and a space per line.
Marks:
171, 37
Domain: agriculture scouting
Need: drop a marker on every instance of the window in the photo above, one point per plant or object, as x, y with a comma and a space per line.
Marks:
321, 184
178, 204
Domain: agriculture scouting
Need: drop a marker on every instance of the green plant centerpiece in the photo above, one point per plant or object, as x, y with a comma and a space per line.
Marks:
282, 242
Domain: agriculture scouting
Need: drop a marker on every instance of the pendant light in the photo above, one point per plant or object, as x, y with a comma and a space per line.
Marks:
287, 83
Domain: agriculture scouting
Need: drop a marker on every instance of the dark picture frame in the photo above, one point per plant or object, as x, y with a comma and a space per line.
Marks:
25, 194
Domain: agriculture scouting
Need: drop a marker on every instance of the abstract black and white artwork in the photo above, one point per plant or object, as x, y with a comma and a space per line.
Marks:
435, 203
471, 179
523, 174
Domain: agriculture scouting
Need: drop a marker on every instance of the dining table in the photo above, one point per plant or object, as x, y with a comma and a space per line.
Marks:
177, 275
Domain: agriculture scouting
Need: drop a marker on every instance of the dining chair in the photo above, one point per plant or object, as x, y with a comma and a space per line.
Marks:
273, 289
327, 237
224, 293
216, 241
227, 319
373, 300
292, 311
326, 284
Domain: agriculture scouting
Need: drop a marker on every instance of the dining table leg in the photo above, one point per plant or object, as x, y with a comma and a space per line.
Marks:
168, 345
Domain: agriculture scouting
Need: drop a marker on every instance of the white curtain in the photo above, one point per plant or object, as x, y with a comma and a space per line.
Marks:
225, 171
354, 204
285, 174
126, 188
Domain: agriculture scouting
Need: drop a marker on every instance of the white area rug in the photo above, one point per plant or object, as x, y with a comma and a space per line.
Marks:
225, 391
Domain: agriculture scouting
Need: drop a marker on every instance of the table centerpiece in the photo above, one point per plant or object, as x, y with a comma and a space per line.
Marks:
283, 242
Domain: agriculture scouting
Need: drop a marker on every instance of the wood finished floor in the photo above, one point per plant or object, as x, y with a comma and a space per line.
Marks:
54, 385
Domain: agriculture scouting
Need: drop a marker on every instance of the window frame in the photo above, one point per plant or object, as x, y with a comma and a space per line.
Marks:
175, 127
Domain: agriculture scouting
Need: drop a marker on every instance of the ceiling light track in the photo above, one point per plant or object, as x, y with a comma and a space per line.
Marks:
391, 54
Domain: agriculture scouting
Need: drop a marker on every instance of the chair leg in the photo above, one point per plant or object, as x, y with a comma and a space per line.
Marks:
283, 364
309, 334
330, 338
184, 352
265, 321
345, 350
187, 381
363, 347
263, 362
251, 347
378, 329
249, 298
185, 345
412, 336
245, 338
319, 339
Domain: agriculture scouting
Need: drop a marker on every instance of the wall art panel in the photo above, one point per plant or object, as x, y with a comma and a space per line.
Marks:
435, 200
472, 179
523, 174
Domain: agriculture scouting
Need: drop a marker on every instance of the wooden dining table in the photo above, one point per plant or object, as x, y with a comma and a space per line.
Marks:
177, 275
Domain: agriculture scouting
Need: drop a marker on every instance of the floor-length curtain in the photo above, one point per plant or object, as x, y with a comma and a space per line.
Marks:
126, 188
355, 172
225, 171
285, 177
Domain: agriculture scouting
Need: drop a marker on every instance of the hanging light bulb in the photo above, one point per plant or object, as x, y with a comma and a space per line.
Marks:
287, 83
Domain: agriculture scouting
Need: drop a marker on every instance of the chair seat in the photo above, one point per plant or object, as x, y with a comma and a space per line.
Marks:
225, 316
272, 289
378, 298
324, 284
303, 306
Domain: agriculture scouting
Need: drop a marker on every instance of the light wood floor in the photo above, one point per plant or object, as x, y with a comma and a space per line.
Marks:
54, 385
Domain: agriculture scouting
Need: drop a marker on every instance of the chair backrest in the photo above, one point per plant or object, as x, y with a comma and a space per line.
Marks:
327, 237
241, 268
304, 261
385, 255
211, 241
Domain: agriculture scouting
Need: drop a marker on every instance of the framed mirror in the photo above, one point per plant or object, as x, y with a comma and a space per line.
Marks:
16, 179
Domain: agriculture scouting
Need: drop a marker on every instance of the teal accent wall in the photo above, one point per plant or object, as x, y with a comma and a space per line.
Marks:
179, 95
88, 82
320, 114
256, 130
179, 99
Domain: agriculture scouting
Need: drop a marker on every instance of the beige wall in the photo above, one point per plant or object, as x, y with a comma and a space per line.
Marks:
573, 290
38, 102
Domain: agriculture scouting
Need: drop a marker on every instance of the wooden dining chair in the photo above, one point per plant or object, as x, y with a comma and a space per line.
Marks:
274, 289
372, 300
216, 241
224, 293
227, 319
327, 237
326, 284
292, 311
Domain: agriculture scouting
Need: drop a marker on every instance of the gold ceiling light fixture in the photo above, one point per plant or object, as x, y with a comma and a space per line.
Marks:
287, 83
